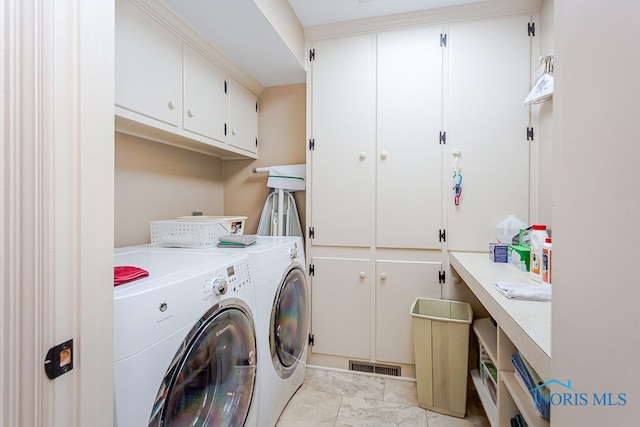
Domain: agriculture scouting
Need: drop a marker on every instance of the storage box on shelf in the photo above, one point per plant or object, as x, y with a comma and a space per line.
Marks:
232, 224
186, 234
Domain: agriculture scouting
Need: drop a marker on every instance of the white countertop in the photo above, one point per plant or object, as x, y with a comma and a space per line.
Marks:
526, 323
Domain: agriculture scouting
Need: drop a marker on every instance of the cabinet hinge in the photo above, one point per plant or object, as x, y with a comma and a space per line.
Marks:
312, 144
312, 340
312, 270
530, 134
443, 40
441, 277
531, 29
442, 235
225, 87
312, 54
443, 137
312, 233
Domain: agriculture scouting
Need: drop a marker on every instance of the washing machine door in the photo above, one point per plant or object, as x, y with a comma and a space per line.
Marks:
211, 379
289, 326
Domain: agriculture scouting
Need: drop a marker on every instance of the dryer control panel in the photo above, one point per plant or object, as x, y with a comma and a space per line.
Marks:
234, 278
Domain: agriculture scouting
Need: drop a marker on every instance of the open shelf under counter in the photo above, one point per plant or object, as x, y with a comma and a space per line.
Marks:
490, 408
527, 324
488, 336
523, 401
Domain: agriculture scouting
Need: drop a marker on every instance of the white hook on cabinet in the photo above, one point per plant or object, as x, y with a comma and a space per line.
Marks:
456, 153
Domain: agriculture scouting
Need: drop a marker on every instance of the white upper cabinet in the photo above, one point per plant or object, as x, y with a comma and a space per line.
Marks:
206, 99
409, 155
243, 125
343, 131
173, 90
148, 68
488, 79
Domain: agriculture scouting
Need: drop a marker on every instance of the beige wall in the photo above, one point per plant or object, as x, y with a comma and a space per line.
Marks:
281, 135
595, 341
157, 181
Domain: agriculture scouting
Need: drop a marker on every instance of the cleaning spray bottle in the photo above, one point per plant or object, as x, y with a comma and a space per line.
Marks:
538, 238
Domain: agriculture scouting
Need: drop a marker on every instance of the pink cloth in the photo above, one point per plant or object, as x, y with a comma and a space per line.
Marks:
126, 273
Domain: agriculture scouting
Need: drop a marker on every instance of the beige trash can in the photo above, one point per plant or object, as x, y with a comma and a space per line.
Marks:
441, 346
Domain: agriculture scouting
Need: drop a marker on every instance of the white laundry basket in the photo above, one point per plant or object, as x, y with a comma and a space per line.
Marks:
186, 234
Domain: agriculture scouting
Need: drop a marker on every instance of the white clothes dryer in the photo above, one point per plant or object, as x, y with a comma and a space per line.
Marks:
184, 340
283, 319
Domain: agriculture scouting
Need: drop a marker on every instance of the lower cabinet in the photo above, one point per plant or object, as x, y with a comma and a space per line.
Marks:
341, 307
398, 284
361, 307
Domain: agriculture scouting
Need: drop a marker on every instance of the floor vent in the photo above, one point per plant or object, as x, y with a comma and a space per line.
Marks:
374, 368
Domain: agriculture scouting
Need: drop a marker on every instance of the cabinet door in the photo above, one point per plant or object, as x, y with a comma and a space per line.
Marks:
343, 124
341, 307
488, 70
409, 158
148, 65
206, 100
398, 284
243, 118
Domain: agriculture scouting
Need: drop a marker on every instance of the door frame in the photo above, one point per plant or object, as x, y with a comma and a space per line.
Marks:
56, 210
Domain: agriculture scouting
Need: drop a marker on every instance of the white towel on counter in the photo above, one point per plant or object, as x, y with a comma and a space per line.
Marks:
525, 291
289, 177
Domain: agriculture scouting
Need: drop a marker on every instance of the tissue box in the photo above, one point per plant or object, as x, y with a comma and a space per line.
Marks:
498, 252
519, 257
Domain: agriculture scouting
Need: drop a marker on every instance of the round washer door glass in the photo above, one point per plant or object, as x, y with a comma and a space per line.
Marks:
289, 322
211, 380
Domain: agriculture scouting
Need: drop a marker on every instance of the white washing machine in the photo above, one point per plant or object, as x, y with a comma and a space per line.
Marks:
283, 319
184, 340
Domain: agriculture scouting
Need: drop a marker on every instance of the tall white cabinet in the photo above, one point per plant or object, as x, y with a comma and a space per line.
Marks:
488, 72
409, 155
386, 111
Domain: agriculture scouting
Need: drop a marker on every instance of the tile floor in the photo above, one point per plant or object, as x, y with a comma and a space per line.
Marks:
336, 398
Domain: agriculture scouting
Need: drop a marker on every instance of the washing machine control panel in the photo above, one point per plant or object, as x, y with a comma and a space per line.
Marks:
230, 279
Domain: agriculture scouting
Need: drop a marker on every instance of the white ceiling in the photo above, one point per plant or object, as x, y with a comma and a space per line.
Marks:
317, 12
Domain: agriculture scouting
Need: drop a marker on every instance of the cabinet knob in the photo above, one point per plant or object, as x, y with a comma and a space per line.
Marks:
233, 131
191, 113
363, 274
383, 155
363, 155
172, 105
383, 276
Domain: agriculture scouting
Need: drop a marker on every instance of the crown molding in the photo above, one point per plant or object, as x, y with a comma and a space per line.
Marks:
482, 10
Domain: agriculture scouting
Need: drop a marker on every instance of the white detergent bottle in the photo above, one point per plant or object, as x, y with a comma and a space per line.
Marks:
509, 227
538, 237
